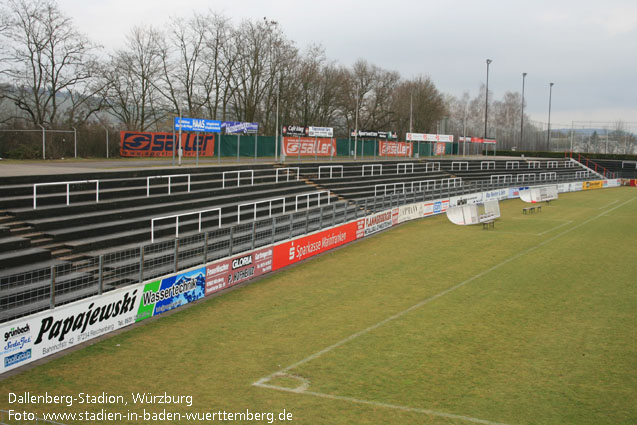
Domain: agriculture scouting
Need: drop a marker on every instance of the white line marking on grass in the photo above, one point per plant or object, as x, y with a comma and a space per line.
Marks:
379, 404
283, 372
555, 228
608, 205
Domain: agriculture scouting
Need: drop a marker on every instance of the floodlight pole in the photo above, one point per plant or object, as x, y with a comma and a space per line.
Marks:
522, 117
486, 106
548, 133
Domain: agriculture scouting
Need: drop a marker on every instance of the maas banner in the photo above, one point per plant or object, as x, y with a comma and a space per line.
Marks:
305, 146
395, 148
134, 143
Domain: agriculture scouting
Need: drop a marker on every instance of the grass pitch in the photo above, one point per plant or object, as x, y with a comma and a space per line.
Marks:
429, 323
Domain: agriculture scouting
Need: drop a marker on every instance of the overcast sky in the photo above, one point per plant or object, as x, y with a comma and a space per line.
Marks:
587, 48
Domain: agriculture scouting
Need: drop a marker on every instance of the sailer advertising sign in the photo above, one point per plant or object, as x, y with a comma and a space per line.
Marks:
303, 146
395, 148
135, 143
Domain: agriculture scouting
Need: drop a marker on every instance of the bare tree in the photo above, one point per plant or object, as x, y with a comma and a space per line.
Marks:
44, 59
132, 76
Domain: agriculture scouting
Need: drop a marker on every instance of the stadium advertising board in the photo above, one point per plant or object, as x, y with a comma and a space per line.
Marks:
595, 184
305, 146
237, 127
498, 194
167, 294
410, 212
395, 148
321, 132
475, 198
372, 134
633, 182
196, 124
440, 149
135, 143
436, 207
304, 247
42, 334
227, 273
419, 137
295, 130
379, 221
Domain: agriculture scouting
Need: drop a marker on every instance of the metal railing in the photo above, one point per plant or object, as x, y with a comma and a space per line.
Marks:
318, 194
490, 165
254, 204
35, 190
392, 185
502, 177
331, 168
372, 167
512, 164
548, 176
238, 173
404, 165
287, 172
526, 177
169, 177
435, 166
534, 164
39, 289
460, 164
176, 217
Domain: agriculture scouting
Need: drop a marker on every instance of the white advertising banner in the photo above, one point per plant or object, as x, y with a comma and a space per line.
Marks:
436, 207
379, 221
411, 212
42, 334
321, 132
419, 137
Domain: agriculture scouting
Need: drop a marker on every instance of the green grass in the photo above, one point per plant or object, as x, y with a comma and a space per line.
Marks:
545, 334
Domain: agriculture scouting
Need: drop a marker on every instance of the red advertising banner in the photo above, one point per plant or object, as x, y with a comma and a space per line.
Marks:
308, 146
299, 249
134, 143
227, 273
440, 149
380, 221
395, 148
633, 182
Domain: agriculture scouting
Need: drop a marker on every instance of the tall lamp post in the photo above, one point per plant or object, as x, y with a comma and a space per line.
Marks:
486, 106
548, 134
522, 117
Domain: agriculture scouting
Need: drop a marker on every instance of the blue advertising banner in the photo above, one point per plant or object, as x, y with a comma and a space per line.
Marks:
195, 124
172, 292
236, 127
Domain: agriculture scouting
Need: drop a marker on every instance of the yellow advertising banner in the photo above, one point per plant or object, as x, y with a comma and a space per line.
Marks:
596, 184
